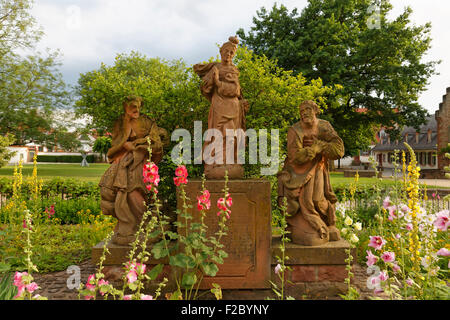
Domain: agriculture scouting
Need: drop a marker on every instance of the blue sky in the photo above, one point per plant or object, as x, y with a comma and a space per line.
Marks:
90, 32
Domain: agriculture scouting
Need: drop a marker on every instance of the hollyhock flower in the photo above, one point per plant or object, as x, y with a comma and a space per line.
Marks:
203, 202
20, 291
278, 269
383, 276
386, 202
229, 201
90, 284
348, 221
221, 204
443, 252
409, 226
179, 180
88, 297
140, 268
392, 210
226, 211
101, 283
146, 297
409, 282
127, 297
395, 267
181, 171
132, 276
388, 256
354, 238
442, 220
371, 259
32, 287
397, 236
18, 278
376, 242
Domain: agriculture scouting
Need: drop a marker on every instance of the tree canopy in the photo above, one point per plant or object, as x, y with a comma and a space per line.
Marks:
31, 85
352, 43
171, 92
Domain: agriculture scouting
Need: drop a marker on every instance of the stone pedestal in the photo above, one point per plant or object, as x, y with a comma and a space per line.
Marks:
248, 242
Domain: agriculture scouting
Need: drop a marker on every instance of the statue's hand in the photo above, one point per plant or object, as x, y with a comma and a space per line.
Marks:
318, 146
215, 72
305, 155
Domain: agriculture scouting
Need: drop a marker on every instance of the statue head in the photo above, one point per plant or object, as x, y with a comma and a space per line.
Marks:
228, 50
308, 111
132, 106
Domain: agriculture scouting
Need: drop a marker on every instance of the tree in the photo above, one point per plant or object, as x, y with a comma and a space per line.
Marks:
379, 66
171, 92
31, 86
102, 145
5, 154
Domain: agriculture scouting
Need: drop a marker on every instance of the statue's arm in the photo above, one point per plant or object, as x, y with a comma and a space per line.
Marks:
331, 145
296, 152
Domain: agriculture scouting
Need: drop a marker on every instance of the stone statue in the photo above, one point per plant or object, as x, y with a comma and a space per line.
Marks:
122, 190
84, 162
305, 180
220, 85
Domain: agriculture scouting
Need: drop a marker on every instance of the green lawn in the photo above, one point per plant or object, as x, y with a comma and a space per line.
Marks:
49, 171
96, 170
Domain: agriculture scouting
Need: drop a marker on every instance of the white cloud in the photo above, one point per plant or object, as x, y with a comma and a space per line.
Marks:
188, 29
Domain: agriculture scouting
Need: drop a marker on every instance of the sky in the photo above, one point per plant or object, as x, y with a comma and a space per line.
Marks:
89, 32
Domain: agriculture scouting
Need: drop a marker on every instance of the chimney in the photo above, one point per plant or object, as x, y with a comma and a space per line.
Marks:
429, 136
417, 137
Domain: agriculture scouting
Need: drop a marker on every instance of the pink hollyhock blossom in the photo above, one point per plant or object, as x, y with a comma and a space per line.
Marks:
392, 211
203, 201
278, 269
221, 204
90, 284
409, 226
443, 252
18, 278
371, 259
229, 201
395, 267
405, 209
388, 256
32, 287
376, 242
179, 180
409, 282
397, 236
146, 297
386, 202
181, 171
127, 297
383, 276
88, 297
442, 220
101, 283
140, 268
131, 276
20, 290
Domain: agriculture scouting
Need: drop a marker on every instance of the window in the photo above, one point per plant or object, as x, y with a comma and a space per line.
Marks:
433, 159
429, 158
384, 157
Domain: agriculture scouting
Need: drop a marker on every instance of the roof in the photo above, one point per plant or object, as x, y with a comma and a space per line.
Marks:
423, 144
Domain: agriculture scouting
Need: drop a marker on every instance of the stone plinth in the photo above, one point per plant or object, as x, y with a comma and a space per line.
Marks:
248, 241
317, 271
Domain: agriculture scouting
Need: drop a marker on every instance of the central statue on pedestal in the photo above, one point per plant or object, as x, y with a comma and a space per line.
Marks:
305, 180
220, 85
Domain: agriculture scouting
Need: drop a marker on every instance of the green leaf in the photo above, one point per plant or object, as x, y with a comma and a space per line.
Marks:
210, 269
181, 260
159, 250
156, 270
189, 279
